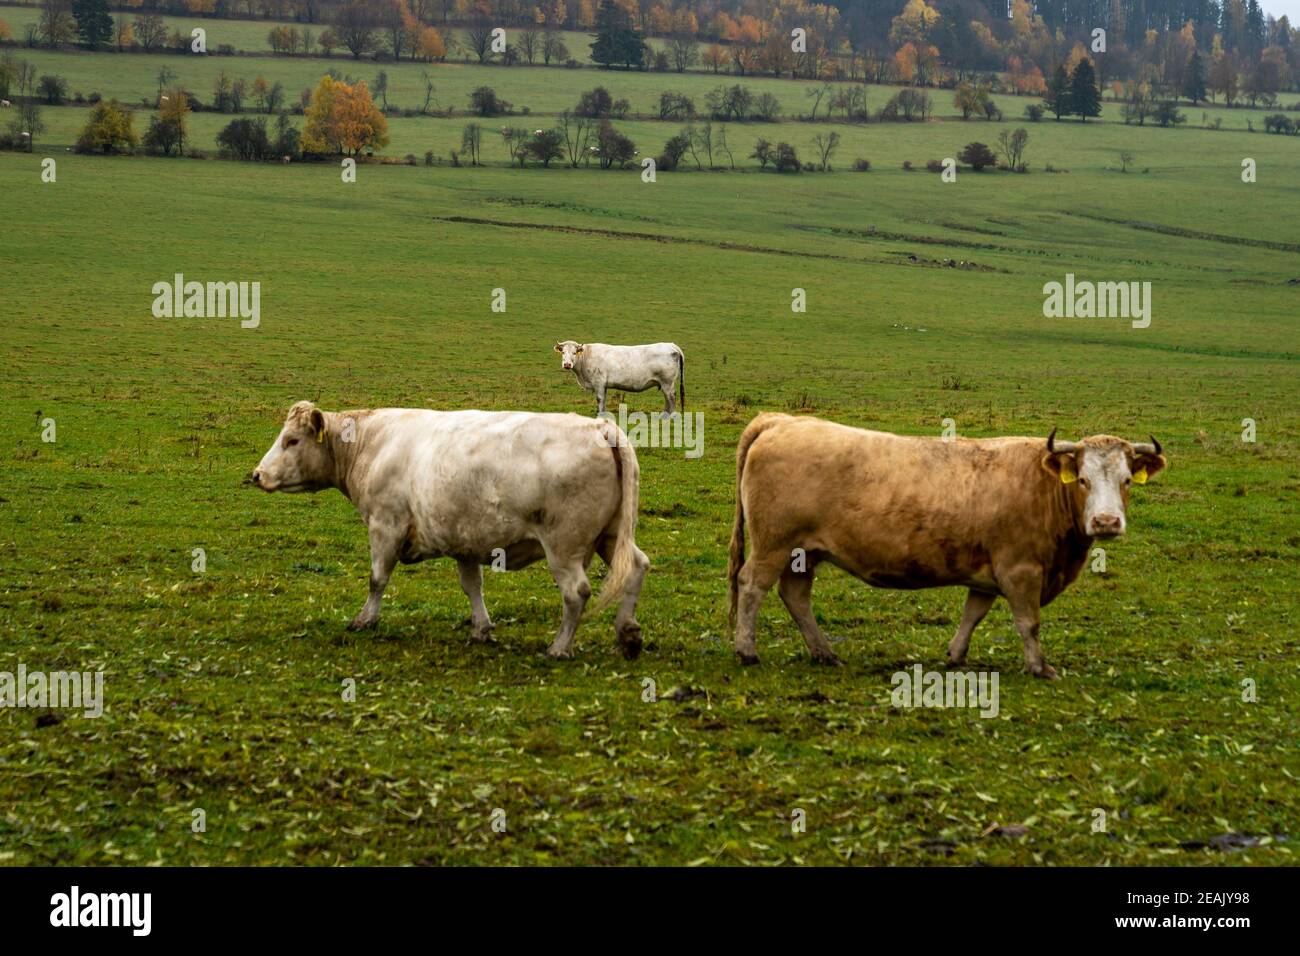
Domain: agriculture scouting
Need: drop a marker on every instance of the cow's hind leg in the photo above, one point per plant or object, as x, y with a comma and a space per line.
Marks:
795, 589
670, 403
384, 545
626, 627
756, 579
977, 605
471, 582
570, 574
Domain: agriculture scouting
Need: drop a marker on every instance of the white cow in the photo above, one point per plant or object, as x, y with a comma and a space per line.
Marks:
632, 368
498, 488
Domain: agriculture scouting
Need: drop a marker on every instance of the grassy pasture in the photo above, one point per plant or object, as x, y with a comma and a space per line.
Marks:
223, 688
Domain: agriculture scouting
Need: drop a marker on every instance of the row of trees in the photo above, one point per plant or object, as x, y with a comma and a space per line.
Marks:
912, 41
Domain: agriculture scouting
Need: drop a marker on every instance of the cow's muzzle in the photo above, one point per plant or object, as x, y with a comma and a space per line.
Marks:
1106, 526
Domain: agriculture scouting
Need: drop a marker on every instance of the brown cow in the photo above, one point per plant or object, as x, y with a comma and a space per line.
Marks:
1000, 516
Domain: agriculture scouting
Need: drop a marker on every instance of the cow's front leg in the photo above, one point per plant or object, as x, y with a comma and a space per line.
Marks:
1023, 596
600, 398
471, 582
977, 605
384, 545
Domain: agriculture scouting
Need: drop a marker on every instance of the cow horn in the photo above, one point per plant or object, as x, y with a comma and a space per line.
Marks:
1151, 449
1064, 447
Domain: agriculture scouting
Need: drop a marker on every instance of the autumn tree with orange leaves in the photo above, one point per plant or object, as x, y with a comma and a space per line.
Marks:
343, 119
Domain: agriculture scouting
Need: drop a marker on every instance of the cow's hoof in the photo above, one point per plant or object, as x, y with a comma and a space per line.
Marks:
747, 659
482, 634
359, 624
957, 661
829, 660
629, 641
1047, 672
559, 654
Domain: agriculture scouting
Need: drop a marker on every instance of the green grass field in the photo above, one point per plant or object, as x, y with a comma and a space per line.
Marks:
223, 689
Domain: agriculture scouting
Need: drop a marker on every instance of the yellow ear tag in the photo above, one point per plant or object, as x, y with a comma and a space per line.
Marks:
320, 437
1140, 476
1068, 475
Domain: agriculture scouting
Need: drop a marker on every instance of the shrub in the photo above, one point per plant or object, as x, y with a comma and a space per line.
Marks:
245, 139
54, 89
286, 138
907, 165
1034, 112
428, 157
162, 136
977, 156
675, 106
862, 165
764, 153
546, 146
766, 108
1168, 114
934, 165
906, 105
108, 130
787, 160
674, 150
485, 102
595, 104
613, 147
1279, 123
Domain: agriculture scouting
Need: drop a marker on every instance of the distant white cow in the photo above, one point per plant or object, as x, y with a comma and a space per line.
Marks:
498, 488
632, 368
5, 103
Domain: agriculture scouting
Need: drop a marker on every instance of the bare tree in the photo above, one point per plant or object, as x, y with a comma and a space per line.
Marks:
576, 131
817, 94
1012, 147
724, 148
355, 22
530, 43
428, 93
478, 38
553, 47
471, 142
683, 52
825, 144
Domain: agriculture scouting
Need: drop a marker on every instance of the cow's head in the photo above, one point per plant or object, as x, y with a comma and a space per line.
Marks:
299, 460
1098, 472
569, 352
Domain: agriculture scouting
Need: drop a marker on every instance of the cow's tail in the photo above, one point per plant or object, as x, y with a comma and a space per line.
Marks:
736, 560
622, 562
681, 381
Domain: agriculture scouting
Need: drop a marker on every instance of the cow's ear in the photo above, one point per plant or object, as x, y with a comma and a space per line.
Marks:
318, 424
1063, 465
580, 348
559, 347
1146, 465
